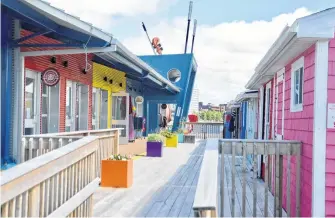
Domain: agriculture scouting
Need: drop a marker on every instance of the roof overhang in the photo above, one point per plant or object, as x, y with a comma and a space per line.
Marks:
116, 53
52, 18
124, 56
64, 19
292, 41
246, 95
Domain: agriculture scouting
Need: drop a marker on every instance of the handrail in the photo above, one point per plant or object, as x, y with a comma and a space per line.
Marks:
210, 193
41, 185
206, 196
36, 145
204, 130
81, 132
201, 122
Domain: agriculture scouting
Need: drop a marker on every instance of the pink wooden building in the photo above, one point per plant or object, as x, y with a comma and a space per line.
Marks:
296, 83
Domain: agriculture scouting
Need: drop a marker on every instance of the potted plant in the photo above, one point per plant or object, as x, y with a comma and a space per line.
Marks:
180, 134
171, 139
155, 145
117, 171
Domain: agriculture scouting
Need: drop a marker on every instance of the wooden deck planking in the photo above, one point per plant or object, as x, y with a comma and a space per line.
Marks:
158, 184
165, 187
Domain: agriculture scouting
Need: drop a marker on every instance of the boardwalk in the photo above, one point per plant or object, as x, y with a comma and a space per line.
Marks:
162, 186
165, 187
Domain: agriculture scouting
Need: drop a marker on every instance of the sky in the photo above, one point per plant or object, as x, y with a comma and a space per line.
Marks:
232, 36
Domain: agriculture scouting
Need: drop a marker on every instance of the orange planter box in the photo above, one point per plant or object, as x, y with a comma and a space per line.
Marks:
117, 173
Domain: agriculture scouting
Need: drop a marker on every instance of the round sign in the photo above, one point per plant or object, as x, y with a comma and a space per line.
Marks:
50, 77
174, 75
139, 99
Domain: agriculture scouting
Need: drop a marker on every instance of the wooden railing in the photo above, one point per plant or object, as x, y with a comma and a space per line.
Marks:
204, 130
36, 145
108, 145
57, 180
59, 183
214, 197
206, 195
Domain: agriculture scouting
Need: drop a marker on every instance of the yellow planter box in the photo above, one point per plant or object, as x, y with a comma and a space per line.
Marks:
164, 140
172, 142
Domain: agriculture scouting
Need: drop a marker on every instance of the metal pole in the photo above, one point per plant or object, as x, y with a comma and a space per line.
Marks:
145, 30
194, 31
188, 24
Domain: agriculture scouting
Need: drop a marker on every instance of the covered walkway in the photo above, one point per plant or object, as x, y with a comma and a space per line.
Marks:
162, 186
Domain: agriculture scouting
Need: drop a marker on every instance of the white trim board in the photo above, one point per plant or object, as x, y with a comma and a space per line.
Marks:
319, 129
300, 63
283, 105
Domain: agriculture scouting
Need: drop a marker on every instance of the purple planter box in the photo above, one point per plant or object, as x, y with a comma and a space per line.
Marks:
154, 149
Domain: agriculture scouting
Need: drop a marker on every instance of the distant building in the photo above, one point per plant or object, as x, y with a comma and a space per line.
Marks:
194, 104
212, 107
223, 107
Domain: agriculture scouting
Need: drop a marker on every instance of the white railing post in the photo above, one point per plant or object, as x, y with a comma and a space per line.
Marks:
117, 142
34, 202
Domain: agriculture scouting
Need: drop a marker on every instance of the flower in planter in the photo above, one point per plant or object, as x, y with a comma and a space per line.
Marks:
155, 138
180, 131
119, 157
167, 134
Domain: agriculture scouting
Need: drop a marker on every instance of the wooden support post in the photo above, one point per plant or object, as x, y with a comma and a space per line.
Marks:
34, 202
276, 205
221, 146
254, 180
23, 149
280, 202
298, 163
288, 185
233, 171
266, 188
116, 142
244, 147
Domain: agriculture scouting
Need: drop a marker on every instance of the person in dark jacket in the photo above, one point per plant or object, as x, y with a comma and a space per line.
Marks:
232, 124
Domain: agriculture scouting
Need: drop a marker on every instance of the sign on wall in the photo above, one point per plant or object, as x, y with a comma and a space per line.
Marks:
50, 77
139, 100
331, 116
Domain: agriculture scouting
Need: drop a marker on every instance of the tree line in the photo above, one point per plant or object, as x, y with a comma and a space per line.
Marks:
210, 116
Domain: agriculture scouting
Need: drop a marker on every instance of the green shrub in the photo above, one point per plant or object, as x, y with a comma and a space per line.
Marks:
180, 131
155, 138
167, 134
119, 157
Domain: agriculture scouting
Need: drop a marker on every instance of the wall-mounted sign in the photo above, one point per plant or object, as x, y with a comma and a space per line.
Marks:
331, 116
139, 100
50, 77
174, 75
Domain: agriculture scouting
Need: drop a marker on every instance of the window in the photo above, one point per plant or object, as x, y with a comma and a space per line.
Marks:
297, 80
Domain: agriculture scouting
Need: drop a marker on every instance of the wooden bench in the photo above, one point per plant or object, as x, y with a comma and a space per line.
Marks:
189, 138
206, 196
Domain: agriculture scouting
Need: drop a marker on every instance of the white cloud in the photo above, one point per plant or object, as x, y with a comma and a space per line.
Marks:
226, 53
101, 13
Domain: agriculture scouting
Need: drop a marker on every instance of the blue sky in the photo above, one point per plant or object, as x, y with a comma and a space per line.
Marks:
212, 12
232, 36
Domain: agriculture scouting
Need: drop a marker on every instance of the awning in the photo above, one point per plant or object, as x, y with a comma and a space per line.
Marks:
246, 95
67, 20
56, 23
123, 56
